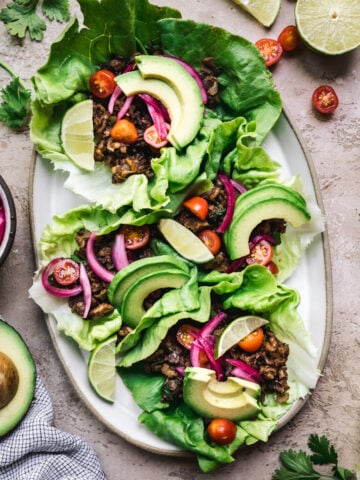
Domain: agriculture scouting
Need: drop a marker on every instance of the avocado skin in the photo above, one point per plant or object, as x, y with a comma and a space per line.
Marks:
12, 345
265, 202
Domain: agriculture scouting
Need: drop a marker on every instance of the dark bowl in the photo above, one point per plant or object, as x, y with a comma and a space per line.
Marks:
7, 230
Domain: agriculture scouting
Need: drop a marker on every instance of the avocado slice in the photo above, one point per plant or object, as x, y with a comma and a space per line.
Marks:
132, 307
17, 378
188, 91
234, 399
138, 269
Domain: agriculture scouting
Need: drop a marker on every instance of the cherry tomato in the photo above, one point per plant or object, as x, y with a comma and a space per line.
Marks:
198, 206
289, 38
272, 267
66, 271
124, 131
102, 83
325, 99
261, 253
222, 431
211, 240
270, 49
135, 236
185, 335
252, 342
152, 138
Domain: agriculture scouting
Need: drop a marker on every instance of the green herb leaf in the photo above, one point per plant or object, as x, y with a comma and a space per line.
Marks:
342, 473
15, 106
20, 18
56, 10
323, 452
298, 462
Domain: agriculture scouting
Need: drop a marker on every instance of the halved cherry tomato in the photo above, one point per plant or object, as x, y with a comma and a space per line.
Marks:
270, 49
325, 99
185, 335
261, 253
252, 342
222, 431
272, 267
66, 271
289, 38
152, 138
102, 83
211, 240
198, 206
124, 131
135, 236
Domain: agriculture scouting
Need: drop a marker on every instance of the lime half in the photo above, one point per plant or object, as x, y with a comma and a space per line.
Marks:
77, 134
101, 369
264, 11
236, 331
329, 26
184, 241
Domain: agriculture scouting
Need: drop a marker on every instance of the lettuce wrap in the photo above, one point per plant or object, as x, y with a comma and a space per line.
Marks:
248, 99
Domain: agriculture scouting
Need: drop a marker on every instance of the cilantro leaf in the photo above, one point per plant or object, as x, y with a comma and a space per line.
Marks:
15, 101
20, 18
296, 465
56, 10
323, 452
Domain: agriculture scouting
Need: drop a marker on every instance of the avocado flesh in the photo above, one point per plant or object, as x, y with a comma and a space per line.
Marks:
132, 308
138, 269
172, 73
13, 346
237, 236
233, 399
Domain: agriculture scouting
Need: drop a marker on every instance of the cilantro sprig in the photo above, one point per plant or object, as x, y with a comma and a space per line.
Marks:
14, 101
20, 16
299, 465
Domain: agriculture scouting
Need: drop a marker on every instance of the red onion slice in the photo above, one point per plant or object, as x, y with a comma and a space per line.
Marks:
85, 283
94, 264
231, 197
119, 255
123, 110
245, 371
58, 292
238, 186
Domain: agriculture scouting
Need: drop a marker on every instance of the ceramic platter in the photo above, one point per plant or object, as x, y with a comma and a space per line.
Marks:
311, 279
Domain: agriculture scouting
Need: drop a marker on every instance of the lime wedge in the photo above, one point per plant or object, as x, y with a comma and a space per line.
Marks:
329, 26
101, 369
264, 11
184, 241
236, 331
77, 134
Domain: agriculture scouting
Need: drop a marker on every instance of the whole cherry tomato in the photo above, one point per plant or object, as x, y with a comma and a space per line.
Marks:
261, 253
124, 131
66, 271
152, 138
252, 342
222, 431
102, 83
135, 236
198, 206
270, 49
211, 239
324, 99
289, 38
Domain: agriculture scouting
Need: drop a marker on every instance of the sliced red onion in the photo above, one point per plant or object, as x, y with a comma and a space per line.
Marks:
2, 222
259, 238
191, 70
245, 371
114, 96
236, 264
238, 186
58, 292
119, 255
156, 114
180, 371
94, 264
123, 110
85, 283
231, 197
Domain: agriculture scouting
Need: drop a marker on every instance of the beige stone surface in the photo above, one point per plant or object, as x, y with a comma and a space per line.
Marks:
333, 143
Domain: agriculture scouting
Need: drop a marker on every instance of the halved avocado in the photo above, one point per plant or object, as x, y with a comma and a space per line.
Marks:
17, 378
132, 308
237, 236
128, 275
234, 399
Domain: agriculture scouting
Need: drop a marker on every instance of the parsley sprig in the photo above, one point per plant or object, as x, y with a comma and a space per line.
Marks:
298, 465
20, 16
14, 101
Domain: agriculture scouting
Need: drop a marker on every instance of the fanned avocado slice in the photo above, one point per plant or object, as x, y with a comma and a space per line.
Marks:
17, 378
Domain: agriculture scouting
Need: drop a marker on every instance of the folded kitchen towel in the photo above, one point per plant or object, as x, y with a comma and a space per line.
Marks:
36, 450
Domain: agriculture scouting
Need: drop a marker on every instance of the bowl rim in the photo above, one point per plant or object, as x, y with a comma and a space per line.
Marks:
9, 205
